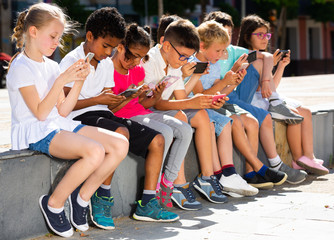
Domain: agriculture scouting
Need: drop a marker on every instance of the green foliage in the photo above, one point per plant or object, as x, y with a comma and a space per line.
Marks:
227, 8
264, 7
74, 10
321, 10
172, 7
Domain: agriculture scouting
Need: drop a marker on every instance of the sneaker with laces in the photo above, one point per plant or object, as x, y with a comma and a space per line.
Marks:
185, 198
57, 222
294, 176
100, 211
236, 184
312, 166
78, 214
164, 195
282, 113
274, 176
153, 212
259, 182
210, 189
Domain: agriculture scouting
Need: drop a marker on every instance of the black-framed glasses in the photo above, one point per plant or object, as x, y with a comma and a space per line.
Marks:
181, 57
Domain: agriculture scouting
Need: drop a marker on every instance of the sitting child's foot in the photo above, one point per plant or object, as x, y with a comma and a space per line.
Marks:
312, 166
294, 176
100, 211
56, 221
296, 166
210, 189
78, 213
257, 181
185, 198
153, 212
236, 184
274, 176
283, 113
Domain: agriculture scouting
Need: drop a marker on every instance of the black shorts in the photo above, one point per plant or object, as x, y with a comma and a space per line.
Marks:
140, 135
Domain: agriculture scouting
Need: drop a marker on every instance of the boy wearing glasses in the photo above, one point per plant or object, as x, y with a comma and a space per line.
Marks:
105, 29
180, 42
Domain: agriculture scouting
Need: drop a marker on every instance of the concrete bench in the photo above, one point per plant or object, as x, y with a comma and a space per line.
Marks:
26, 175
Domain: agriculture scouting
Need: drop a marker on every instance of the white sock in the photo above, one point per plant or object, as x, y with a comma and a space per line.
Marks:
55, 210
82, 202
106, 187
275, 162
275, 99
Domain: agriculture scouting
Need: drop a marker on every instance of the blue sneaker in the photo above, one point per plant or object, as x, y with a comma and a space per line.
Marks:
153, 212
78, 213
100, 211
210, 189
185, 198
57, 222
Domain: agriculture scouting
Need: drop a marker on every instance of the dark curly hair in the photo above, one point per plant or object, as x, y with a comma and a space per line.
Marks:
106, 21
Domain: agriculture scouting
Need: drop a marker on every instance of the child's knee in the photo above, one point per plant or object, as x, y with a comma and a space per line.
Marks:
237, 124
181, 116
158, 142
251, 123
124, 131
94, 152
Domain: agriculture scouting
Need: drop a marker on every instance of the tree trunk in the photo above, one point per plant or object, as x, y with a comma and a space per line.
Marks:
160, 8
281, 29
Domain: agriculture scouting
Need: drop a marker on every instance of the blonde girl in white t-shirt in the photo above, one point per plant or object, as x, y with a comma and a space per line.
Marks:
39, 108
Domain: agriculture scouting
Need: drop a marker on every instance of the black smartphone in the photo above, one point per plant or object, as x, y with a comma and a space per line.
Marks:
200, 67
284, 53
251, 57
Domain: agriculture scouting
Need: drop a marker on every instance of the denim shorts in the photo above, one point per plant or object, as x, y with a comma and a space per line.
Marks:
44, 144
247, 88
219, 120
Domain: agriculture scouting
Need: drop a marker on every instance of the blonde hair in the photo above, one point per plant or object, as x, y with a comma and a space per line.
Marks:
39, 15
211, 31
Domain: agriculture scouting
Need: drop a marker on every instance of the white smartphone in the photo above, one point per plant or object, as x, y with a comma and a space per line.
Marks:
89, 56
243, 66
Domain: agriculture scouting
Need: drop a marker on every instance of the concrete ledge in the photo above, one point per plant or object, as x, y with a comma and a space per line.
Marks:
26, 175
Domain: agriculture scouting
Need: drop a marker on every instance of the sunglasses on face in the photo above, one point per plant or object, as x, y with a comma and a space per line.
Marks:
262, 35
181, 57
130, 56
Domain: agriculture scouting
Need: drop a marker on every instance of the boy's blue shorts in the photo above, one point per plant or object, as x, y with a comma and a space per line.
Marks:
219, 120
44, 144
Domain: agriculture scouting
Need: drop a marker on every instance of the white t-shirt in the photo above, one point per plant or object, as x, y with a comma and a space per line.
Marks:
99, 78
154, 71
26, 128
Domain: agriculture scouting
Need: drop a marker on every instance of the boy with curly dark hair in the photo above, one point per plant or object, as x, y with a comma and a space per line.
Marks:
105, 29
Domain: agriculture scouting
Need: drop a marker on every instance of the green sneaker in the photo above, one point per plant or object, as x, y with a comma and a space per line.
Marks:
153, 212
100, 211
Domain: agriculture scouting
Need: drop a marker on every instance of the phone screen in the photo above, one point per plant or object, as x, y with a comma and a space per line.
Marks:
200, 67
251, 57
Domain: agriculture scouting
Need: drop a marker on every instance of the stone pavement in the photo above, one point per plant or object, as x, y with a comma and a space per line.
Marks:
304, 211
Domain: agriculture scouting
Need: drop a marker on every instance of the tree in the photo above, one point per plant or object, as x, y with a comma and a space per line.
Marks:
171, 7
74, 9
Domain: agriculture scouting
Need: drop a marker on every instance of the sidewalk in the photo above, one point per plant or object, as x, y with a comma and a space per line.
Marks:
304, 211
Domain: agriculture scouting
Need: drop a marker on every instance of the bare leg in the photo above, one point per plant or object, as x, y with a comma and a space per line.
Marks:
215, 158
267, 137
99, 151
225, 145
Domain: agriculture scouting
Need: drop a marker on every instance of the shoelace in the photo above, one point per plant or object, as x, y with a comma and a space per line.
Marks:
215, 185
189, 194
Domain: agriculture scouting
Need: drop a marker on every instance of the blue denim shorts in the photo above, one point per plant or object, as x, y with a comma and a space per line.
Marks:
219, 120
44, 144
247, 88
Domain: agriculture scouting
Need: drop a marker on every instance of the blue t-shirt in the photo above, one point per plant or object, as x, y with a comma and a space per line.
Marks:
234, 52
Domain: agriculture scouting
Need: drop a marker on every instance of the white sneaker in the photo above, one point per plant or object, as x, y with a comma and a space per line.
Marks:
236, 184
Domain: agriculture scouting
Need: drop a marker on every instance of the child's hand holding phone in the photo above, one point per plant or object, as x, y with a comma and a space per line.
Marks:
218, 100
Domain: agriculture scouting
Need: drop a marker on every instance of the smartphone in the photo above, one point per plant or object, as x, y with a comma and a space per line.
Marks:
243, 66
200, 67
216, 97
284, 53
251, 57
129, 92
89, 56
